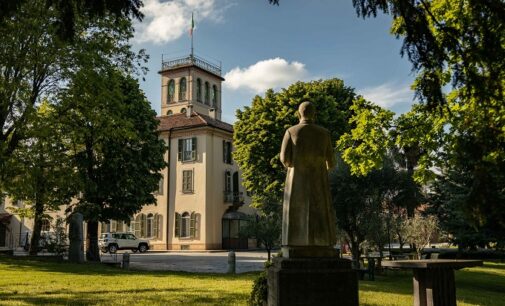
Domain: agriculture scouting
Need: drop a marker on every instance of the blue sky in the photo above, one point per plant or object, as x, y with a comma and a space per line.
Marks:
262, 46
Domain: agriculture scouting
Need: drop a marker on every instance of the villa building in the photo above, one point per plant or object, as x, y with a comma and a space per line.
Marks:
201, 203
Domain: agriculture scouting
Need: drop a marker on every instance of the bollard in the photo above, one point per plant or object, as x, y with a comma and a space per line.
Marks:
125, 264
231, 262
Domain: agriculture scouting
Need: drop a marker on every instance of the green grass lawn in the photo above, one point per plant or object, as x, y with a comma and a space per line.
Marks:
25, 282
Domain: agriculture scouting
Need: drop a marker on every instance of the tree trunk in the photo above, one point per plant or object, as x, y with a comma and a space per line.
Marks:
92, 252
34, 242
355, 254
269, 251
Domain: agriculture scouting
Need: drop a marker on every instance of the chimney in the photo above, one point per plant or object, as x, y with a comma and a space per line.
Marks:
212, 113
189, 110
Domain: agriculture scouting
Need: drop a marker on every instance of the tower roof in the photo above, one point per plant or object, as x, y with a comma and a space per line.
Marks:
182, 121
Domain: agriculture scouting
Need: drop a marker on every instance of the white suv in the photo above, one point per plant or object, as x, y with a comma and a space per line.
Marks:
111, 242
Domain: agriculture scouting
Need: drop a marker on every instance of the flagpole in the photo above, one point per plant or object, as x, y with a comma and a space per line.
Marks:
192, 25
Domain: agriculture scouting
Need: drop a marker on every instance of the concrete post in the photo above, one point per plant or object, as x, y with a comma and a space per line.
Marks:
231, 262
125, 263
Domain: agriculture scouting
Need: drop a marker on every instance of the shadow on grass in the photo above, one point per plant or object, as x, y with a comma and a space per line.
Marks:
140, 296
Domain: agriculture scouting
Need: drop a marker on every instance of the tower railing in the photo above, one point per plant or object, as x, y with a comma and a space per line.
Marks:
191, 60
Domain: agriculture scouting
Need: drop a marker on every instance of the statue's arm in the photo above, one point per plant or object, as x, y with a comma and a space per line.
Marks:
330, 154
286, 151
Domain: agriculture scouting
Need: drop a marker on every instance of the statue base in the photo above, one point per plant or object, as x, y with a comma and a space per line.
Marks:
312, 281
308, 252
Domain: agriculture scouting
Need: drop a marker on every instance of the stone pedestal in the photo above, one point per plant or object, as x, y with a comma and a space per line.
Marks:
76, 248
312, 281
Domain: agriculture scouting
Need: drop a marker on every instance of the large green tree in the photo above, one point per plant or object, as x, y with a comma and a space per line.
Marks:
40, 171
115, 146
259, 130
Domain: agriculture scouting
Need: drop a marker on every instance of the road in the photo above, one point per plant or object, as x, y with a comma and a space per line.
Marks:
206, 262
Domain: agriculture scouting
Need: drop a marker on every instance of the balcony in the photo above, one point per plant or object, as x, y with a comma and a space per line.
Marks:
191, 60
235, 198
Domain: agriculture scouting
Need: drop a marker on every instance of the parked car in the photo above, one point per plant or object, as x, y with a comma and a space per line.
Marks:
111, 242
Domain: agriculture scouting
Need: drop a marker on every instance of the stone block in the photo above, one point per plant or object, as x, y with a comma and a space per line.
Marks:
312, 281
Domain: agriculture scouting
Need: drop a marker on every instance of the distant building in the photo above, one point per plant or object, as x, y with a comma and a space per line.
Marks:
201, 203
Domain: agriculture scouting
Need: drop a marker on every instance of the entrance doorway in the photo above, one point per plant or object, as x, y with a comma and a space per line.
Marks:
232, 223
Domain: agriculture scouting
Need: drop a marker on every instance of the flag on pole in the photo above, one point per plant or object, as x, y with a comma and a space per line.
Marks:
192, 25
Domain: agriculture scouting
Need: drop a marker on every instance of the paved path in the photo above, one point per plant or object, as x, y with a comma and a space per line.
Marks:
210, 262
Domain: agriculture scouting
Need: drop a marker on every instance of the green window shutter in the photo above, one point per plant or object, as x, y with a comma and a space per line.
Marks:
178, 225
192, 225
155, 226
143, 225
224, 151
179, 154
137, 227
193, 148
160, 227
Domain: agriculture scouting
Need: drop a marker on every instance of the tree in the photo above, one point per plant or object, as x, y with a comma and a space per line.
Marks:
421, 231
266, 229
66, 11
31, 58
35, 64
114, 144
40, 170
360, 203
259, 130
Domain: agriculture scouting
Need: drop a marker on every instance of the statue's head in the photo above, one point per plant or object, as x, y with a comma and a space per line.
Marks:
307, 111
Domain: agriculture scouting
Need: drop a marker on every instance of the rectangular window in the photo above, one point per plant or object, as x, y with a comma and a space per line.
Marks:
227, 149
187, 181
187, 149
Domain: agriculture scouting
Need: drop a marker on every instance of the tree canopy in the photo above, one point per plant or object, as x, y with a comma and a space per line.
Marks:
259, 130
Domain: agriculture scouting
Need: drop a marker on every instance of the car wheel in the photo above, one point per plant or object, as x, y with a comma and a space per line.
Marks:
112, 248
134, 250
142, 248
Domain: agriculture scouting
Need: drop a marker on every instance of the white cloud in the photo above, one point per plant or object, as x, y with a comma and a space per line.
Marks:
270, 73
166, 21
388, 94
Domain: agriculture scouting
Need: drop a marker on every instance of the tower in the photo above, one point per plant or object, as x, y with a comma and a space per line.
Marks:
191, 83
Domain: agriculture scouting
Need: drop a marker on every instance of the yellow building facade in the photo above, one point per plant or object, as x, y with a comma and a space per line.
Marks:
201, 203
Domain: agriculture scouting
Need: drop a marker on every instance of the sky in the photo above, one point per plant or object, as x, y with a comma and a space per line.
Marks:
262, 46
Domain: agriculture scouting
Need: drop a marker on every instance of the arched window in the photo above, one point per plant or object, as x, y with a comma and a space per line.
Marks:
45, 226
183, 110
182, 89
214, 96
185, 223
150, 226
170, 112
198, 90
171, 91
207, 93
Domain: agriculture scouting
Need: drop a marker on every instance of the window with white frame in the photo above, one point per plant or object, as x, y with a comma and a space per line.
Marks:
150, 226
45, 226
187, 149
185, 223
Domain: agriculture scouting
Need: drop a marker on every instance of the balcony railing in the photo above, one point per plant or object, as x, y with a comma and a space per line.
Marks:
191, 60
233, 197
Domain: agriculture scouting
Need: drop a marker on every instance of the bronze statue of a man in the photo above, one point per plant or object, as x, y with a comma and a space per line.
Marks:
308, 221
